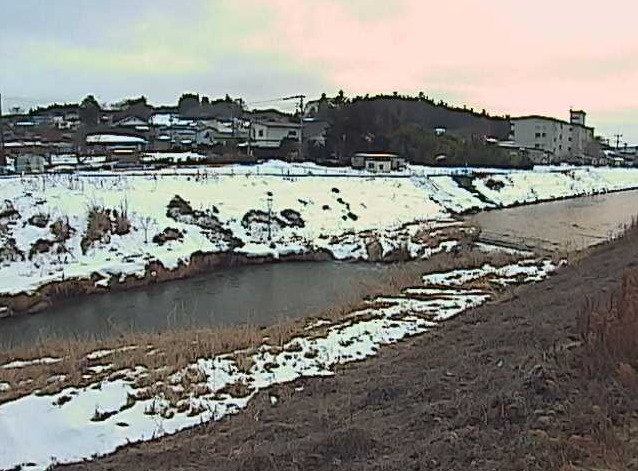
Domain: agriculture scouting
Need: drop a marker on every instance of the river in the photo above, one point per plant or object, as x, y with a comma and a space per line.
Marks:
264, 294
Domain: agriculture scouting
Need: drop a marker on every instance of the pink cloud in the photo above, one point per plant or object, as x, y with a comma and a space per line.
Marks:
504, 55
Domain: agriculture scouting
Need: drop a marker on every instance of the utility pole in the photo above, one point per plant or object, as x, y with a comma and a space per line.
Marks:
250, 134
301, 117
3, 158
269, 202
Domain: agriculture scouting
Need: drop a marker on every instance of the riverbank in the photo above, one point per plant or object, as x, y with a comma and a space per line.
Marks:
64, 235
139, 387
501, 387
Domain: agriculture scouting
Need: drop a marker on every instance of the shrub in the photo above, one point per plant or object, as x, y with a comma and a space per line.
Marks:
40, 246
494, 185
40, 220
168, 234
61, 229
10, 252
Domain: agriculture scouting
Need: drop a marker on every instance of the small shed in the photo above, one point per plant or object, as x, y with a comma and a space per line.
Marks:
378, 162
30, 163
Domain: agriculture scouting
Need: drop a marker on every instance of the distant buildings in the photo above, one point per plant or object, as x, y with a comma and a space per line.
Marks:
562, 140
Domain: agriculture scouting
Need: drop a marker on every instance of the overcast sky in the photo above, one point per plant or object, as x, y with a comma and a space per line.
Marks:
507, 56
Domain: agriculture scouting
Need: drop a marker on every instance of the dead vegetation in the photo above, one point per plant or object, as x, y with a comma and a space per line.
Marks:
9, 251
8, 212
181, 210
167, 235
40, 220
610, 334
102, 223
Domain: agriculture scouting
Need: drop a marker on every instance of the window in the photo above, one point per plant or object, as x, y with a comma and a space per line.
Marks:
538, 134
261, 133
569, 139
544, 134
560, 147
292, 133
537, 145
569, 149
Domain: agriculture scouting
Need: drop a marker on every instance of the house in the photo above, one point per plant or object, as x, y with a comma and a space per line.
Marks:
565, 140
115, 146
133, 122
378, 162
271, 134
534, 155
30, 163
16, 147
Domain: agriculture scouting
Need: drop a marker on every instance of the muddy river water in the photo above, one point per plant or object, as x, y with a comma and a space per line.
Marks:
266, 293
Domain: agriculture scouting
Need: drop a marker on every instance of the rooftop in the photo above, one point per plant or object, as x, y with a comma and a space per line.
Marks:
114, 139
376, 155
548, 118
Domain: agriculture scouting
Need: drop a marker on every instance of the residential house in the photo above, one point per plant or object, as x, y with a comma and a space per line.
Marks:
119, 147
133, 122
271, 134
532, 154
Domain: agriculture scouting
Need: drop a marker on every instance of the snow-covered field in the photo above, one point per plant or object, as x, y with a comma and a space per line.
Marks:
272, 209
80, 423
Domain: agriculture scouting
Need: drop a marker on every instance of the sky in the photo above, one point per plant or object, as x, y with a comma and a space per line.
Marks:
507, 56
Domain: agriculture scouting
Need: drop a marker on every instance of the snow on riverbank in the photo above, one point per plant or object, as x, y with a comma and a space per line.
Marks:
80, 423
272, 209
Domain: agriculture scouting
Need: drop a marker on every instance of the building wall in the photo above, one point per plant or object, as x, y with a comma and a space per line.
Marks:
381, 166
271, 136
562, 139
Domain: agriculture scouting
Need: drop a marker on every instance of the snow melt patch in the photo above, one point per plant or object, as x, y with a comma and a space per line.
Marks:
25, 363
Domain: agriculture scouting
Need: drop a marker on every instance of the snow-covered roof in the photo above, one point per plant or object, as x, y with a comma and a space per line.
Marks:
169, 119
376, 155
131, 121
113, 139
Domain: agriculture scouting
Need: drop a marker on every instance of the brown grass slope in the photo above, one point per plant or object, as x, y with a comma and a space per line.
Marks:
527, 384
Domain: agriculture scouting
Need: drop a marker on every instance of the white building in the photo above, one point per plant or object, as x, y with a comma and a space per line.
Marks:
270, 135
377, 162
562, 139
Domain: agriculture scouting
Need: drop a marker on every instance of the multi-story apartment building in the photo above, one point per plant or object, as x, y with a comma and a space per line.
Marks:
562, 140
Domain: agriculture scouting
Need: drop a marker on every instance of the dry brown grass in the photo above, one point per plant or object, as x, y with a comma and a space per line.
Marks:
610, 334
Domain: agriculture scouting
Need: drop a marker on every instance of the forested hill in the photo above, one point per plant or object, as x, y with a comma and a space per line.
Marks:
407, 125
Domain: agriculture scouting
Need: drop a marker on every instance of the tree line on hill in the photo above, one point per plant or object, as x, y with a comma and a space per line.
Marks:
417, 128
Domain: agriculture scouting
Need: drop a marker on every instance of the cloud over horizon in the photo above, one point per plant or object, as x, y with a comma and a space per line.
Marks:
507, 57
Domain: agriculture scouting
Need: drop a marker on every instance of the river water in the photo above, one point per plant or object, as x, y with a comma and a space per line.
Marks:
264, 294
